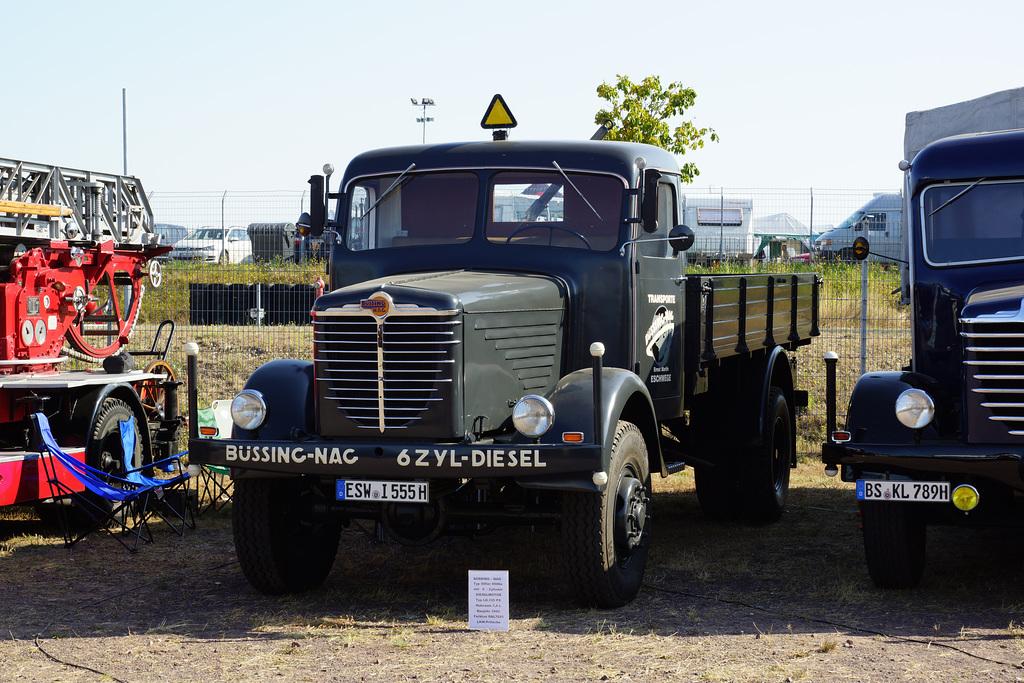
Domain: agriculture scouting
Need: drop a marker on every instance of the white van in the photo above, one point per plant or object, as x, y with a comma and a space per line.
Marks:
721, 226
880, 221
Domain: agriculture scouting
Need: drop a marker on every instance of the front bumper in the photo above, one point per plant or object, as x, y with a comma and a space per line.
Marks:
955, 461
532, 465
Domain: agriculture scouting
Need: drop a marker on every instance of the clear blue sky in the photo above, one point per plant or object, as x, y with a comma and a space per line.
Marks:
258, 95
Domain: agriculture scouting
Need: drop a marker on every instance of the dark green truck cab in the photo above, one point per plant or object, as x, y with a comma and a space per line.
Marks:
510, 337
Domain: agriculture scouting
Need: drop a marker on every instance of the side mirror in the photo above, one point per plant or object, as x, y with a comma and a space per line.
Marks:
649, 201
317, 209
861, 248
681, 238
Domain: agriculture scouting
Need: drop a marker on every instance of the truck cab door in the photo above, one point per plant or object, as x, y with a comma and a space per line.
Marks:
658, 307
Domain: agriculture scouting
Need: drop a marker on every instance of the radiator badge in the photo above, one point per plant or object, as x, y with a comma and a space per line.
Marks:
379, 305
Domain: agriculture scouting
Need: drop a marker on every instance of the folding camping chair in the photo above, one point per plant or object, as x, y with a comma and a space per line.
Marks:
114, 504
172, 502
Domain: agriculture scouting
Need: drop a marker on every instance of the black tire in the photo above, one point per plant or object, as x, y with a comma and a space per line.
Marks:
281, 547
606, 535
894, 543
764, 478
104, 450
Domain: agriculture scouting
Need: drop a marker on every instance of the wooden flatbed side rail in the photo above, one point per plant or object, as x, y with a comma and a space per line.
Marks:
725, 313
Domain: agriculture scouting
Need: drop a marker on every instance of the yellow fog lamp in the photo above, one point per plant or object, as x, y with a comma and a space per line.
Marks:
965, 497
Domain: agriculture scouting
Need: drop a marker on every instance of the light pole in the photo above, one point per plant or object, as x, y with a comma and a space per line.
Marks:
424, 102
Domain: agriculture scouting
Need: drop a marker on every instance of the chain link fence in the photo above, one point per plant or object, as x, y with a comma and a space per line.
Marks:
244, 294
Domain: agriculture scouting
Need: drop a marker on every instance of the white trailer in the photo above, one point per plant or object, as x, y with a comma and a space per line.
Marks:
721, 224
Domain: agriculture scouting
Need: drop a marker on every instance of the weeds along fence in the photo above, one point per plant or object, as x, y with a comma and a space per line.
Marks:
245, 314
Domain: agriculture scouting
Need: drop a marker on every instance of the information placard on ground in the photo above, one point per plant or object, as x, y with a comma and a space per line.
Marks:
488, 600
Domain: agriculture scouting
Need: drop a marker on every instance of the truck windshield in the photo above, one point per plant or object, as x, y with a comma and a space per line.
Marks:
422, 209
985, 224
540, 208
577, 211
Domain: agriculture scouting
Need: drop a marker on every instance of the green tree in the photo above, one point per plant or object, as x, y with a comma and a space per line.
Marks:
640, 112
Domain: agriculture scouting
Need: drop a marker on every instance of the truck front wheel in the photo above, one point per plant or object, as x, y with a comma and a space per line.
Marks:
282, 546
894, 543
606, 535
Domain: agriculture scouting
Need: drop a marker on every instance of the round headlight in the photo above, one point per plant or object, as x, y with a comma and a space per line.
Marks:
533, 416
248, 409
914, 408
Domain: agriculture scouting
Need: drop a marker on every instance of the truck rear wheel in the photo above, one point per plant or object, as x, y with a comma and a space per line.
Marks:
894, 543
606, 535
764, 478
281, 546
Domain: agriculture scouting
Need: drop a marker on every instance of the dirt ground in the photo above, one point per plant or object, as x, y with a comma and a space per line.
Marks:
722, 602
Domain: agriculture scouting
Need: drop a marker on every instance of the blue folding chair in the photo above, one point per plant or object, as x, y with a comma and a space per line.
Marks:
174, 509
119, 505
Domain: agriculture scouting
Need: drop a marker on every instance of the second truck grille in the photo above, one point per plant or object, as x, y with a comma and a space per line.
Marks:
994, 368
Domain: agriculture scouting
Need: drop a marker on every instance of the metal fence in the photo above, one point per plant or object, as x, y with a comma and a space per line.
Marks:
245, 314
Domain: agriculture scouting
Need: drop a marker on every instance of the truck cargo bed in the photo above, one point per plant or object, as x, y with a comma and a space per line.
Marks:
728, 315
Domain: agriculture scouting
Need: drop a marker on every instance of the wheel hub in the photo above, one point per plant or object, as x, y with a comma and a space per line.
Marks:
630, 514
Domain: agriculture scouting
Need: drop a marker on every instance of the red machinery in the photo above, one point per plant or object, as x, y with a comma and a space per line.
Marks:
73, 248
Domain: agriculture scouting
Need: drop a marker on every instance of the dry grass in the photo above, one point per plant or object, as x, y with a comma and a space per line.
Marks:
721, 602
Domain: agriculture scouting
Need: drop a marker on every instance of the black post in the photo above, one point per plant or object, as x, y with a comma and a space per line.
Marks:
597, 351
831, 358
192, 371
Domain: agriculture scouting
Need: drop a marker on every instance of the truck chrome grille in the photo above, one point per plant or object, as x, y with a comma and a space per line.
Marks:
994, 369
387, 374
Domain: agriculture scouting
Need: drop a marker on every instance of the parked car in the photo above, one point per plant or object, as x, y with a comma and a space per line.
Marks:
169, 234
880, 221
213, 246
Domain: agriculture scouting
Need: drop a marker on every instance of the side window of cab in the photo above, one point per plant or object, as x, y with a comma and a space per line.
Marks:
655, 244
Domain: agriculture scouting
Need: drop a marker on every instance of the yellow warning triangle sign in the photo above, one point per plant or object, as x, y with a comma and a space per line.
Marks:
498, 115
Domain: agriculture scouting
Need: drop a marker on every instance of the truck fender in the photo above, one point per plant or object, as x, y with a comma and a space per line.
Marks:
287, 387
732, 418
778, 373
871, 417
87, 408
624, 396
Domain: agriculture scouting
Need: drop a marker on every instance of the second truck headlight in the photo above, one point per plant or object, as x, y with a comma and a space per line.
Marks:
248, 409
915, 409
533, 416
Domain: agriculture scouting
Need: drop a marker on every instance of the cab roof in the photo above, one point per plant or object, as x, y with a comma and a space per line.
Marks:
589, 155
969, 157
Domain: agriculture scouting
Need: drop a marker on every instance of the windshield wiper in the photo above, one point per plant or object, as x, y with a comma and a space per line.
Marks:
577, 190
955, 197
386, 192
